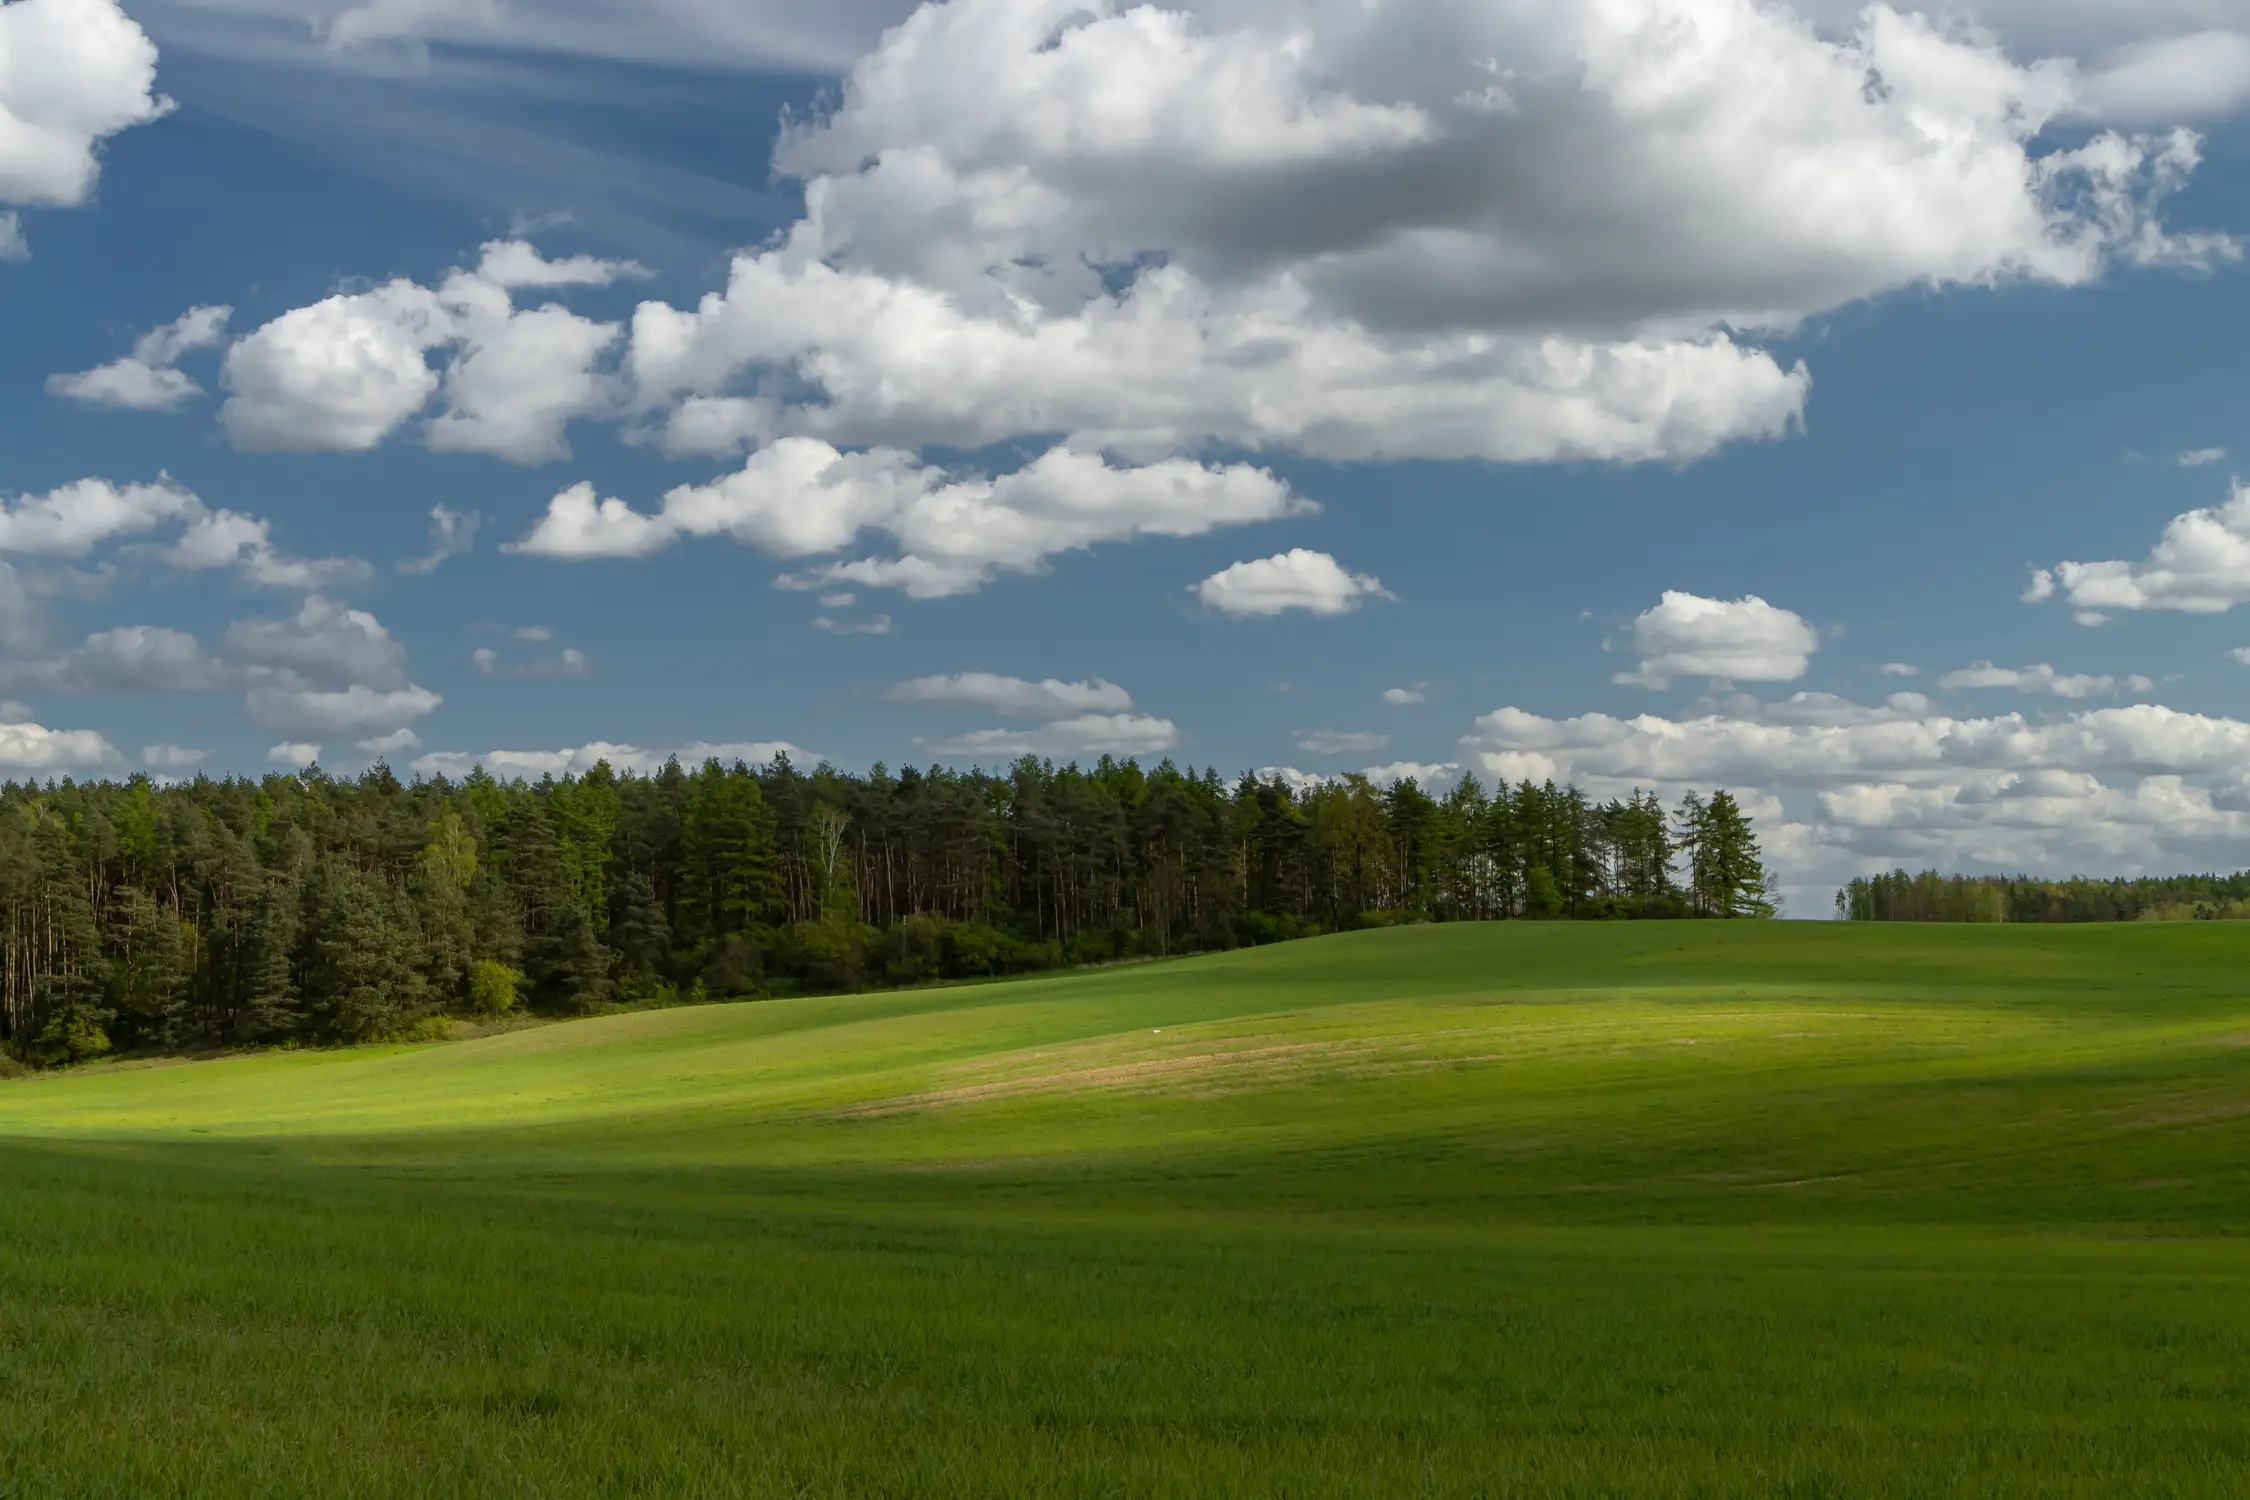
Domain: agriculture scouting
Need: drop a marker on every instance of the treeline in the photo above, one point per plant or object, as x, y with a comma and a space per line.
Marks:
304, 909
1931, 897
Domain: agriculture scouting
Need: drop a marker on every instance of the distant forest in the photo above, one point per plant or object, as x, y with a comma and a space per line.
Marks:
1931, 897
303, 909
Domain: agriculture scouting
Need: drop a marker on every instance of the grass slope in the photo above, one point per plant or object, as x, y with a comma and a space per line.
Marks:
1515, 1210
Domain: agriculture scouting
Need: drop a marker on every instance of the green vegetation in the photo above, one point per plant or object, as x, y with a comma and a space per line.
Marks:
1661, 1209
306, 910
1931, 897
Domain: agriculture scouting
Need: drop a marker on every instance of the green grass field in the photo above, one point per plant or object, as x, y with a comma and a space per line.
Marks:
1543, 1210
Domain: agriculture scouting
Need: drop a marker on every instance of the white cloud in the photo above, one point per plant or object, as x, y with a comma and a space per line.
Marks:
395, 743
72, 72
172, 757
2200, 565
801, 497
1297, 781
35, 748
568, 662
149, 379
1015, 697
1331, 229
1424, 775
2202, 458
838, 601
230, 539
356, 710
324, 645
514, 264
531, 764
1296, 579
293, 753
2170, 78
1900, 669
1341, 742
875, 625
340, 374
129, 659
452, 533
1402, 697
1840, 747
345, 373
2038, 679
72, 520
1739, 640
1082, 734
2114, 789
13, 246
329, 671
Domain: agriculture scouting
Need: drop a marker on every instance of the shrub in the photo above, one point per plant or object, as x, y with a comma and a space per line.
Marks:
429, 1029
492, 988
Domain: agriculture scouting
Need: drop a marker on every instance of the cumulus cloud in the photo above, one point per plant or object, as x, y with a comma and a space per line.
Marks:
327, 671
1402, 697
531, 764
13, 246
452, 533
1081, 734
1092, 717
294, 753
1341, 742
70, 521
2140, 786
323, 645
395, 743
129, 659
873, 625
1016, 697
230, 539
330, 672
1337, 231
72, 73
1739, 640
172, 757
2201, 458
345, 373
356, 710
2039, 679
1900, 669
515, 264
2200, 565
568, 662
149, 379
2196, 76
37, 749
1296, 579
1424, 775
800, 497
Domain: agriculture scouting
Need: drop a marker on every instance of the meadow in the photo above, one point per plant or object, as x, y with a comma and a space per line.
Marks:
1650, 1209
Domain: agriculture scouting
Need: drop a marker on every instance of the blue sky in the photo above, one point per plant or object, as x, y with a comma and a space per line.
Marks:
1161, 382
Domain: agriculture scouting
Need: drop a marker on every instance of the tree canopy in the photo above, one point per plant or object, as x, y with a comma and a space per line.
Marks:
310, 909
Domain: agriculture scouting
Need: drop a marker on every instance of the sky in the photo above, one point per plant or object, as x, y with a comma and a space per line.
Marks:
1839, 405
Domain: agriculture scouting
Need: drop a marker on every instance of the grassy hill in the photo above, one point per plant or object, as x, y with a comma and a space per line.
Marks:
1647, 1209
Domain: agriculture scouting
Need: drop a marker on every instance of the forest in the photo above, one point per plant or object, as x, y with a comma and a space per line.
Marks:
1931, 897
309, 910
